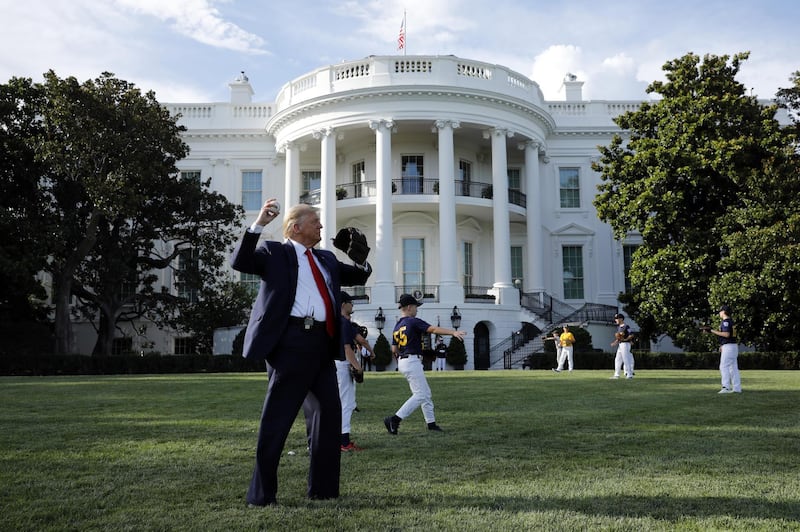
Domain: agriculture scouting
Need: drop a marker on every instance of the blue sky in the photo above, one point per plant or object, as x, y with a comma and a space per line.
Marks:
189, 50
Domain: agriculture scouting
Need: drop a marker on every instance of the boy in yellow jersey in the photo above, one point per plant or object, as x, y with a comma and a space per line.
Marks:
567, 340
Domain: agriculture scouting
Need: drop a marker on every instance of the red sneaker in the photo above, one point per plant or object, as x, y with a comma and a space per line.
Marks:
351, 447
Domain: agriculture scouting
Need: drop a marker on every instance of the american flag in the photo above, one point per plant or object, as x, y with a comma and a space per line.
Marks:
401, 39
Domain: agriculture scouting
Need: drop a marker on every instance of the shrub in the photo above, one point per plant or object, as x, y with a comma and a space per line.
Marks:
456, 353
383, 351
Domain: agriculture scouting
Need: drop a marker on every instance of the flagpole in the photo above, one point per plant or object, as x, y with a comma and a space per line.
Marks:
405, 31
401, 38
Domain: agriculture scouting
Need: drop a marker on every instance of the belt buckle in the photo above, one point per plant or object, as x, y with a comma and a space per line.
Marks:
308, 322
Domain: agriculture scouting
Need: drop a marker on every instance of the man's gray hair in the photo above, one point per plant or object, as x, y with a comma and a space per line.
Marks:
294, 216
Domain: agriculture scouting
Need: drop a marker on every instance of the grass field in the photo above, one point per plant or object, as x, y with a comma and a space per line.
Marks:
522, 450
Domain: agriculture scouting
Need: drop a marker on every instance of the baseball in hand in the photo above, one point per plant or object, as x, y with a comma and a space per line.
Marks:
274, 209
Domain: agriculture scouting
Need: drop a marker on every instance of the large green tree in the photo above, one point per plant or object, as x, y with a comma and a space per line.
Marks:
100, 138
24, 245
699, 170
113, 207
183, 228
760, 271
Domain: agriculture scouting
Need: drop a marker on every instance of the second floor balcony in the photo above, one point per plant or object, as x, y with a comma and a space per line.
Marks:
414, 185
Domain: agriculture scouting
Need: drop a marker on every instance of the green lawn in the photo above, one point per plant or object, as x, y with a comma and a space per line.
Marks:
521, 450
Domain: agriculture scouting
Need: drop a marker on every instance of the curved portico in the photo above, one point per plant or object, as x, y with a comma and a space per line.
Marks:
437, 138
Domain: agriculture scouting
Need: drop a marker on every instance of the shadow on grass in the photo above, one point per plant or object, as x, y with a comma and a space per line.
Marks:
660, 508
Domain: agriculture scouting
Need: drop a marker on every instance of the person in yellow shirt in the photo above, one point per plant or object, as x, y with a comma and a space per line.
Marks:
567, 340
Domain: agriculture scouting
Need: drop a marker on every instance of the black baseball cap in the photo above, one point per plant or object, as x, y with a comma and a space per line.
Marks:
345, 297
725, 308
619, 316
408, 299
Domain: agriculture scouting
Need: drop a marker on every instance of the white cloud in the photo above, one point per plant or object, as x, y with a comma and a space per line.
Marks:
198, 20
66, 37
191, 49
430, 25
551, 66
612, 78
616, 78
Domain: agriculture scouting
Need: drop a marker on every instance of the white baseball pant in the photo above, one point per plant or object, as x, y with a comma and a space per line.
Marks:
347, 393
411, 368
729, 367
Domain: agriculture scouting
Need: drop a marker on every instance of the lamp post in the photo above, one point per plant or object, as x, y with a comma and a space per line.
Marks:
455, 318
380, 320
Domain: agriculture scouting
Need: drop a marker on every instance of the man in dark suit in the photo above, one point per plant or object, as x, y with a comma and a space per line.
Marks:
288, 329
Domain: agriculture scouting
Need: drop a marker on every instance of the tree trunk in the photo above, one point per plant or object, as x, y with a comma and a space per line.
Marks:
63, 324
105, 335
62, 281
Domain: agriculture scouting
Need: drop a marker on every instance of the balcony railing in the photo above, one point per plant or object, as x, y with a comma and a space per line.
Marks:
377, 72
473, 294
360, 294
478, 294
421, 293
414, 186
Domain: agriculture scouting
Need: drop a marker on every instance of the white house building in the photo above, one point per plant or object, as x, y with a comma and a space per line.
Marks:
474, 192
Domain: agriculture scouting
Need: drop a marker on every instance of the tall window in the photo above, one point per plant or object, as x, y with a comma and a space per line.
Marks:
129, 285
570, 188
191, 175
413, 264
251, 190
359, 176
468, 273
251, 282
413, 172
514, 179
312, 180
516, 265
185, 345
627, 261
465, 176
312, 187
188, 270
121, 346
515, 186
572, 257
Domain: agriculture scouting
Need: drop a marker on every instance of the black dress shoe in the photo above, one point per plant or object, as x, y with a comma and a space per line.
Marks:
391, 426
268, 503
322, 497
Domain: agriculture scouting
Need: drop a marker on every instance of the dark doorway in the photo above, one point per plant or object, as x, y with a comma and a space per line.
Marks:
481, 346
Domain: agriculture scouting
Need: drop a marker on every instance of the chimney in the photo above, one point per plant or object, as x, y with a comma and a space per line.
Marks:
573, 88
241, 90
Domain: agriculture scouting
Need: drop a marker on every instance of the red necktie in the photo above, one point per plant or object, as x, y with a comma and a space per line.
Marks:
323, 291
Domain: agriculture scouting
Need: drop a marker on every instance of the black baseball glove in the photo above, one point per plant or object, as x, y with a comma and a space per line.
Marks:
358, 376
353, 242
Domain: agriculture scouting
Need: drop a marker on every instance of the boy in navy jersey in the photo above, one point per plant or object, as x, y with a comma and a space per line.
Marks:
407, 349
729, 353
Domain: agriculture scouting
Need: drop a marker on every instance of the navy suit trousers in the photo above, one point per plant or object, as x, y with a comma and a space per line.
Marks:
300, 366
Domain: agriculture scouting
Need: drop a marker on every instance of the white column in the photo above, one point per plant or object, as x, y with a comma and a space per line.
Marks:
505, 290
450, 290
534, 279
292, 175
328, 185
383, 269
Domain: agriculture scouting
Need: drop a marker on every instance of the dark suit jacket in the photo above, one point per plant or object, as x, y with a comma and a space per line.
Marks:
276, 264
